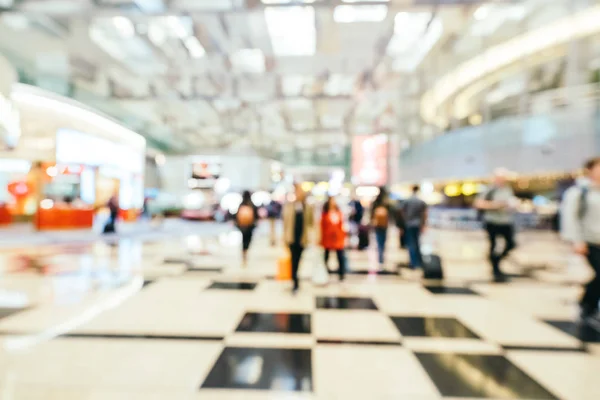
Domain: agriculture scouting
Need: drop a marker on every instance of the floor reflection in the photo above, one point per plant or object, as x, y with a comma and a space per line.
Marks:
276, 323
480, 376
260, 368
433, 327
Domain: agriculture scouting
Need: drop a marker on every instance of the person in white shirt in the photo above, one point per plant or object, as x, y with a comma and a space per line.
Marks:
580, 225
497, 205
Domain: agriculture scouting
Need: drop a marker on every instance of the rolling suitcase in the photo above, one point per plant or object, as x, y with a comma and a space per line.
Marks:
363, 237
432, 267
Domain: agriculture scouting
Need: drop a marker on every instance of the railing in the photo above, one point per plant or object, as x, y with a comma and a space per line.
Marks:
552, 141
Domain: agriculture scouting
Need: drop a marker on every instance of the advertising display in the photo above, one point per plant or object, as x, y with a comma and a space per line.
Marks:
204, 172
369, 160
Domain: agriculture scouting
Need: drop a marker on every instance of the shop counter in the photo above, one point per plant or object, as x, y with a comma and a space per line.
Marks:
129, 215
5, 215
64, 218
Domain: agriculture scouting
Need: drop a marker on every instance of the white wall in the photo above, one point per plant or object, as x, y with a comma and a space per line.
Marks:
245, 172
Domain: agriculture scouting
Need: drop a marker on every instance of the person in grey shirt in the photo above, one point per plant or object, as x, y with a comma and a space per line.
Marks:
497, 205
580, 225
414, 212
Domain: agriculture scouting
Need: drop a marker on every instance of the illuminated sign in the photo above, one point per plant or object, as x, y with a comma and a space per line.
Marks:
369, 160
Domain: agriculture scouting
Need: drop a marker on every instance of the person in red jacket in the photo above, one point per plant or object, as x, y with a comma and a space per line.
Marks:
333, 234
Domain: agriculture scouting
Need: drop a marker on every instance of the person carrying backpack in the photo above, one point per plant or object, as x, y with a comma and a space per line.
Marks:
580, 225
415, 216
380, 218
246, 220
496, 206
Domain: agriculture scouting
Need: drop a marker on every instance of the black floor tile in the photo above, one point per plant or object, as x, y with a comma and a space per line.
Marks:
442, 327
357, 342
170, 260
204, 270
233, 285
147, 282
383, 272
136, 336
480, 376
346, 303
450, 290
581, 349
6, 312
583, 332
260, 368
276, 323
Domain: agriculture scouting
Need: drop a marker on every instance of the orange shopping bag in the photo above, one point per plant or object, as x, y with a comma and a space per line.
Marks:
284, 268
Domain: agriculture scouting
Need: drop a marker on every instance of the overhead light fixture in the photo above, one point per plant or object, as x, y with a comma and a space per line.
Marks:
482, 12
416, 50
124, 26
178, 28
408, 29
150, 6
192, 44
292, 30
368, 13
249, 60
269, 2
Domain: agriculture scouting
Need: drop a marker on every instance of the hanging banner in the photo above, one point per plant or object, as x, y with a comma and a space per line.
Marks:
369, 160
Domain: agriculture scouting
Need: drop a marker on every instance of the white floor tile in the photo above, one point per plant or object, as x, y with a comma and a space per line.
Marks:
356, 372
354, 325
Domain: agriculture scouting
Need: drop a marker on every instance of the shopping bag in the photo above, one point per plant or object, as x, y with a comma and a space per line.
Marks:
320, 275
284, 268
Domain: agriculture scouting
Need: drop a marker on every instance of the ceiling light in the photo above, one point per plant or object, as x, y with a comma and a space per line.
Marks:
482, 12
292, 30
409, 61
178, 29
150, 6
408, 29
287, 1
194, 47
124, 26
371, 13
249, 60
157, 34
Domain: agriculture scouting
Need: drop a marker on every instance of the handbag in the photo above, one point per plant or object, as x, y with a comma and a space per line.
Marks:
320, 275
284, 268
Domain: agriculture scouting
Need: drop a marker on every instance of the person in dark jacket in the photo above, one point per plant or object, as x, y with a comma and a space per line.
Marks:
380, 216
113, 209
246, 220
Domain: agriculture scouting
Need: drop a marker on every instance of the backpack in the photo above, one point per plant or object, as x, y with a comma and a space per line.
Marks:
489, 196
245, 216
583, 206
381, 217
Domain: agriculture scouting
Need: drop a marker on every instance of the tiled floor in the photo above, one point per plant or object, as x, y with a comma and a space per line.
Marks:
181, 319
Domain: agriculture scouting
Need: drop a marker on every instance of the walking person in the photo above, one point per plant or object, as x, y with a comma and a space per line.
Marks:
298, 220
380, 219
273, 214
113, 215
414, 211
333, 234
357, 212
497, 205
246, 220
580, 225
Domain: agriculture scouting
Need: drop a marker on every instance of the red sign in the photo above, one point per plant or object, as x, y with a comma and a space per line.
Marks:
369, 160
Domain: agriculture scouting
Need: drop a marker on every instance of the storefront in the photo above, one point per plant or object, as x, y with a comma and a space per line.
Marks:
89, 159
